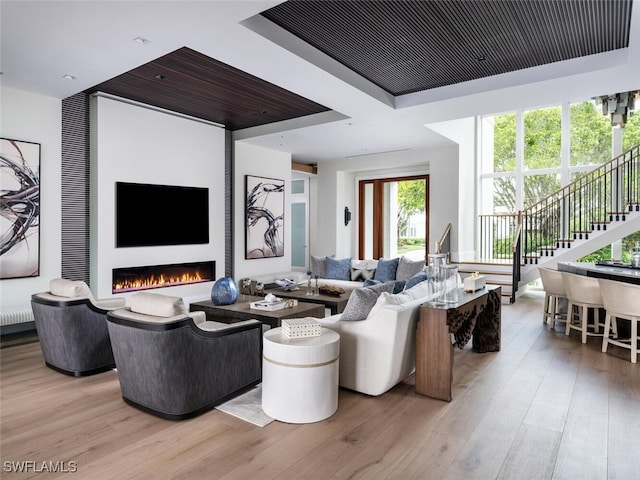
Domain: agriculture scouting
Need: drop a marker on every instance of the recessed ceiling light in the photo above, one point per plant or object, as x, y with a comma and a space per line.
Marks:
141, 40
68, 77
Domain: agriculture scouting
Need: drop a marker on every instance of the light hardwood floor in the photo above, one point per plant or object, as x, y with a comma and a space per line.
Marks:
545, 406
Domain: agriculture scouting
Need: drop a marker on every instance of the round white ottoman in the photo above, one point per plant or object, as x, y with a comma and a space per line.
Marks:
300, 376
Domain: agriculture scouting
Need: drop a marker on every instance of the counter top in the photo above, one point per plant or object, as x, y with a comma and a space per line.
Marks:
621, 274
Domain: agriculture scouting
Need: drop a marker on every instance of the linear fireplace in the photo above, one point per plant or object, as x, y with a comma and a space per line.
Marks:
131, 279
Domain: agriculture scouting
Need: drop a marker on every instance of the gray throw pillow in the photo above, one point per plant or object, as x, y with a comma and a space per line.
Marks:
319, 266
338, 269
386, 271
362, 301
408, 268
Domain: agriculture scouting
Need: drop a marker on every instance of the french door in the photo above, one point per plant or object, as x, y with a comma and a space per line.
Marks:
393, 217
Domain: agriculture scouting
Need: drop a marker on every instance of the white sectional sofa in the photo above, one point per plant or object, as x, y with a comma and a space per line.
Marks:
378, 352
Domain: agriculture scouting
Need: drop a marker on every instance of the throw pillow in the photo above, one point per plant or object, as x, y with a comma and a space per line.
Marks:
398, 286
408, 268
69, 288
419, 291
361, 270
319, 266
386, 298
338, 269
362, 301
416, 279
156, 304
386, 271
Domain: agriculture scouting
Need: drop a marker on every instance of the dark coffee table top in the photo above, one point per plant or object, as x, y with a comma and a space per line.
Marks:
335, 303
241, 311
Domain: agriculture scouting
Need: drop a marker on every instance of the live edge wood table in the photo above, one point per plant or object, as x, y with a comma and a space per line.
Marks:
240, 311
476, 315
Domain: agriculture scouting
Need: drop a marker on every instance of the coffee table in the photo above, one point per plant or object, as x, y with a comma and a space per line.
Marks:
240, 311
335, 303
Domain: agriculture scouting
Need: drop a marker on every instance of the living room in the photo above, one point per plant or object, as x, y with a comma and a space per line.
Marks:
132, 143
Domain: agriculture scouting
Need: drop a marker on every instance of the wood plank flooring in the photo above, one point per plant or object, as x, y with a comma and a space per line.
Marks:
545, 406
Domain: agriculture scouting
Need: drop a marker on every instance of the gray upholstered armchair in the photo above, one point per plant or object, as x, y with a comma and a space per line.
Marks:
175, 364
72, 328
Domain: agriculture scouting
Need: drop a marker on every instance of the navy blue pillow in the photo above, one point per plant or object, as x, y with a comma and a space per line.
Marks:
398, 286
339, 269
371, 281
416, 279
386, 269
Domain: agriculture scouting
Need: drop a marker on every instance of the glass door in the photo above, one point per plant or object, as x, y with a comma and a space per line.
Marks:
394, 217
299, 224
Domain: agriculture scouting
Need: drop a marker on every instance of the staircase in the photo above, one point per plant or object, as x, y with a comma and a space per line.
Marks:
594, 211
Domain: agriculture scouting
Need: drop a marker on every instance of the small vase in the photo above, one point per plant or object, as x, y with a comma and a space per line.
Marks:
224, 291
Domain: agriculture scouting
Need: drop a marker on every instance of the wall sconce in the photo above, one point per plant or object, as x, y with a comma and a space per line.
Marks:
347, 216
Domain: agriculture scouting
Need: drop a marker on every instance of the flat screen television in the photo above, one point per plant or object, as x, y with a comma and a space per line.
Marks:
154, 215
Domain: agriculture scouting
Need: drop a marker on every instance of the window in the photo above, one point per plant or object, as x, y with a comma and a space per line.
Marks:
527, 155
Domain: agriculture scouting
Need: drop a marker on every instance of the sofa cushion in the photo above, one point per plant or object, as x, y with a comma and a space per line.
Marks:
386, 270
362, 300
338, 269
408, 268
156, 304
69, 288
416, 279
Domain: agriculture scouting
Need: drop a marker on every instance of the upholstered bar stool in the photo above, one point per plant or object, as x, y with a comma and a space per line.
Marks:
622, 302
555, 296
583, 293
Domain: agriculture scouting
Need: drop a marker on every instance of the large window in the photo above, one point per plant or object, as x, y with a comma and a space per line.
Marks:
528, 155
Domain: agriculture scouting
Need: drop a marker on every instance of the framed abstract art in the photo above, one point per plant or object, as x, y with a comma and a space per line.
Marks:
264, 217
19, 209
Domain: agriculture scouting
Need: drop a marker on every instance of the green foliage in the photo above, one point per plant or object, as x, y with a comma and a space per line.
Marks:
590, 135
411, 199
605, 253
504, 143
631, 132
542, 136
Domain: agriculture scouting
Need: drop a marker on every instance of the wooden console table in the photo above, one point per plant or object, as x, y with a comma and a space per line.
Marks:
476, 314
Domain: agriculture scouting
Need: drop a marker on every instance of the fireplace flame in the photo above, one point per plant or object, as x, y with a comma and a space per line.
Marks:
157, 281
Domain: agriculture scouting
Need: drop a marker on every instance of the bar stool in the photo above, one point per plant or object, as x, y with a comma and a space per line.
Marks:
582, 292
555, 295
621, 301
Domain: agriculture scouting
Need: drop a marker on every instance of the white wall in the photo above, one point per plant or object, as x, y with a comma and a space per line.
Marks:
134, 144
463, 132
35, 118
260, 162
337, 186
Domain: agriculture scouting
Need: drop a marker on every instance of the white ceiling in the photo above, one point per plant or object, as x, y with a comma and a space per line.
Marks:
94, 41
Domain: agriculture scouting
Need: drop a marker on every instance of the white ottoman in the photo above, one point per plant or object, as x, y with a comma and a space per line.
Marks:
300, 376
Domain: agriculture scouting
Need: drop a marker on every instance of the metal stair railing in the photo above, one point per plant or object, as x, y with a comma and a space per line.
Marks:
573, 212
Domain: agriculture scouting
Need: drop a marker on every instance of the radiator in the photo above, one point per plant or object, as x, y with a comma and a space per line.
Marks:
15, 315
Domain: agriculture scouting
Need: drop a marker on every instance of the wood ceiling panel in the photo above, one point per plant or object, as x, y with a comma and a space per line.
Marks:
197, 85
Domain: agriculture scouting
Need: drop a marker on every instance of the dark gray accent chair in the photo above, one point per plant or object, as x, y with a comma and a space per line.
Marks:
72, 328
175, 364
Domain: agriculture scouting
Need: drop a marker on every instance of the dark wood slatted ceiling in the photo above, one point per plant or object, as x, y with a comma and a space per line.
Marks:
409, 46
197, 85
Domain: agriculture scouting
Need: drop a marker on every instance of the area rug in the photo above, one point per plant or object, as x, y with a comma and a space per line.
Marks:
247, 407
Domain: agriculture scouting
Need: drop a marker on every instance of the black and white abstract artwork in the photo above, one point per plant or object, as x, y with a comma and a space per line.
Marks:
19, 209
264, 217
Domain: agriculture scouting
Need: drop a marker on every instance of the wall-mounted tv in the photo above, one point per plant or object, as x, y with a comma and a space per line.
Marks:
153, 215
